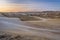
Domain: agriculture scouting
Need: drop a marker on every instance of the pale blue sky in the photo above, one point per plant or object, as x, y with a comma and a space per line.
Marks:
35, 4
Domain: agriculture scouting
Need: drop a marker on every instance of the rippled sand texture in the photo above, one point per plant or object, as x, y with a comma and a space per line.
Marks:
14, 29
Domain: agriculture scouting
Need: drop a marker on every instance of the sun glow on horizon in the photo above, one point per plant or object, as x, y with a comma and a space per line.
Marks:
28, 5
13, 8
16, 8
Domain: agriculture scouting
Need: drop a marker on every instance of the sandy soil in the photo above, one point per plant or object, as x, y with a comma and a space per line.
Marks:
14, 29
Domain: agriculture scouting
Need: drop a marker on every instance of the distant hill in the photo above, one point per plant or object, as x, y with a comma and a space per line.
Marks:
45, 14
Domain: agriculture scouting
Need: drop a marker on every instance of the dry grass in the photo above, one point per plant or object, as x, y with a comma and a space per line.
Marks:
11, 36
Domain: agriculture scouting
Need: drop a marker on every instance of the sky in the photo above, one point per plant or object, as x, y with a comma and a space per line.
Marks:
29, 5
